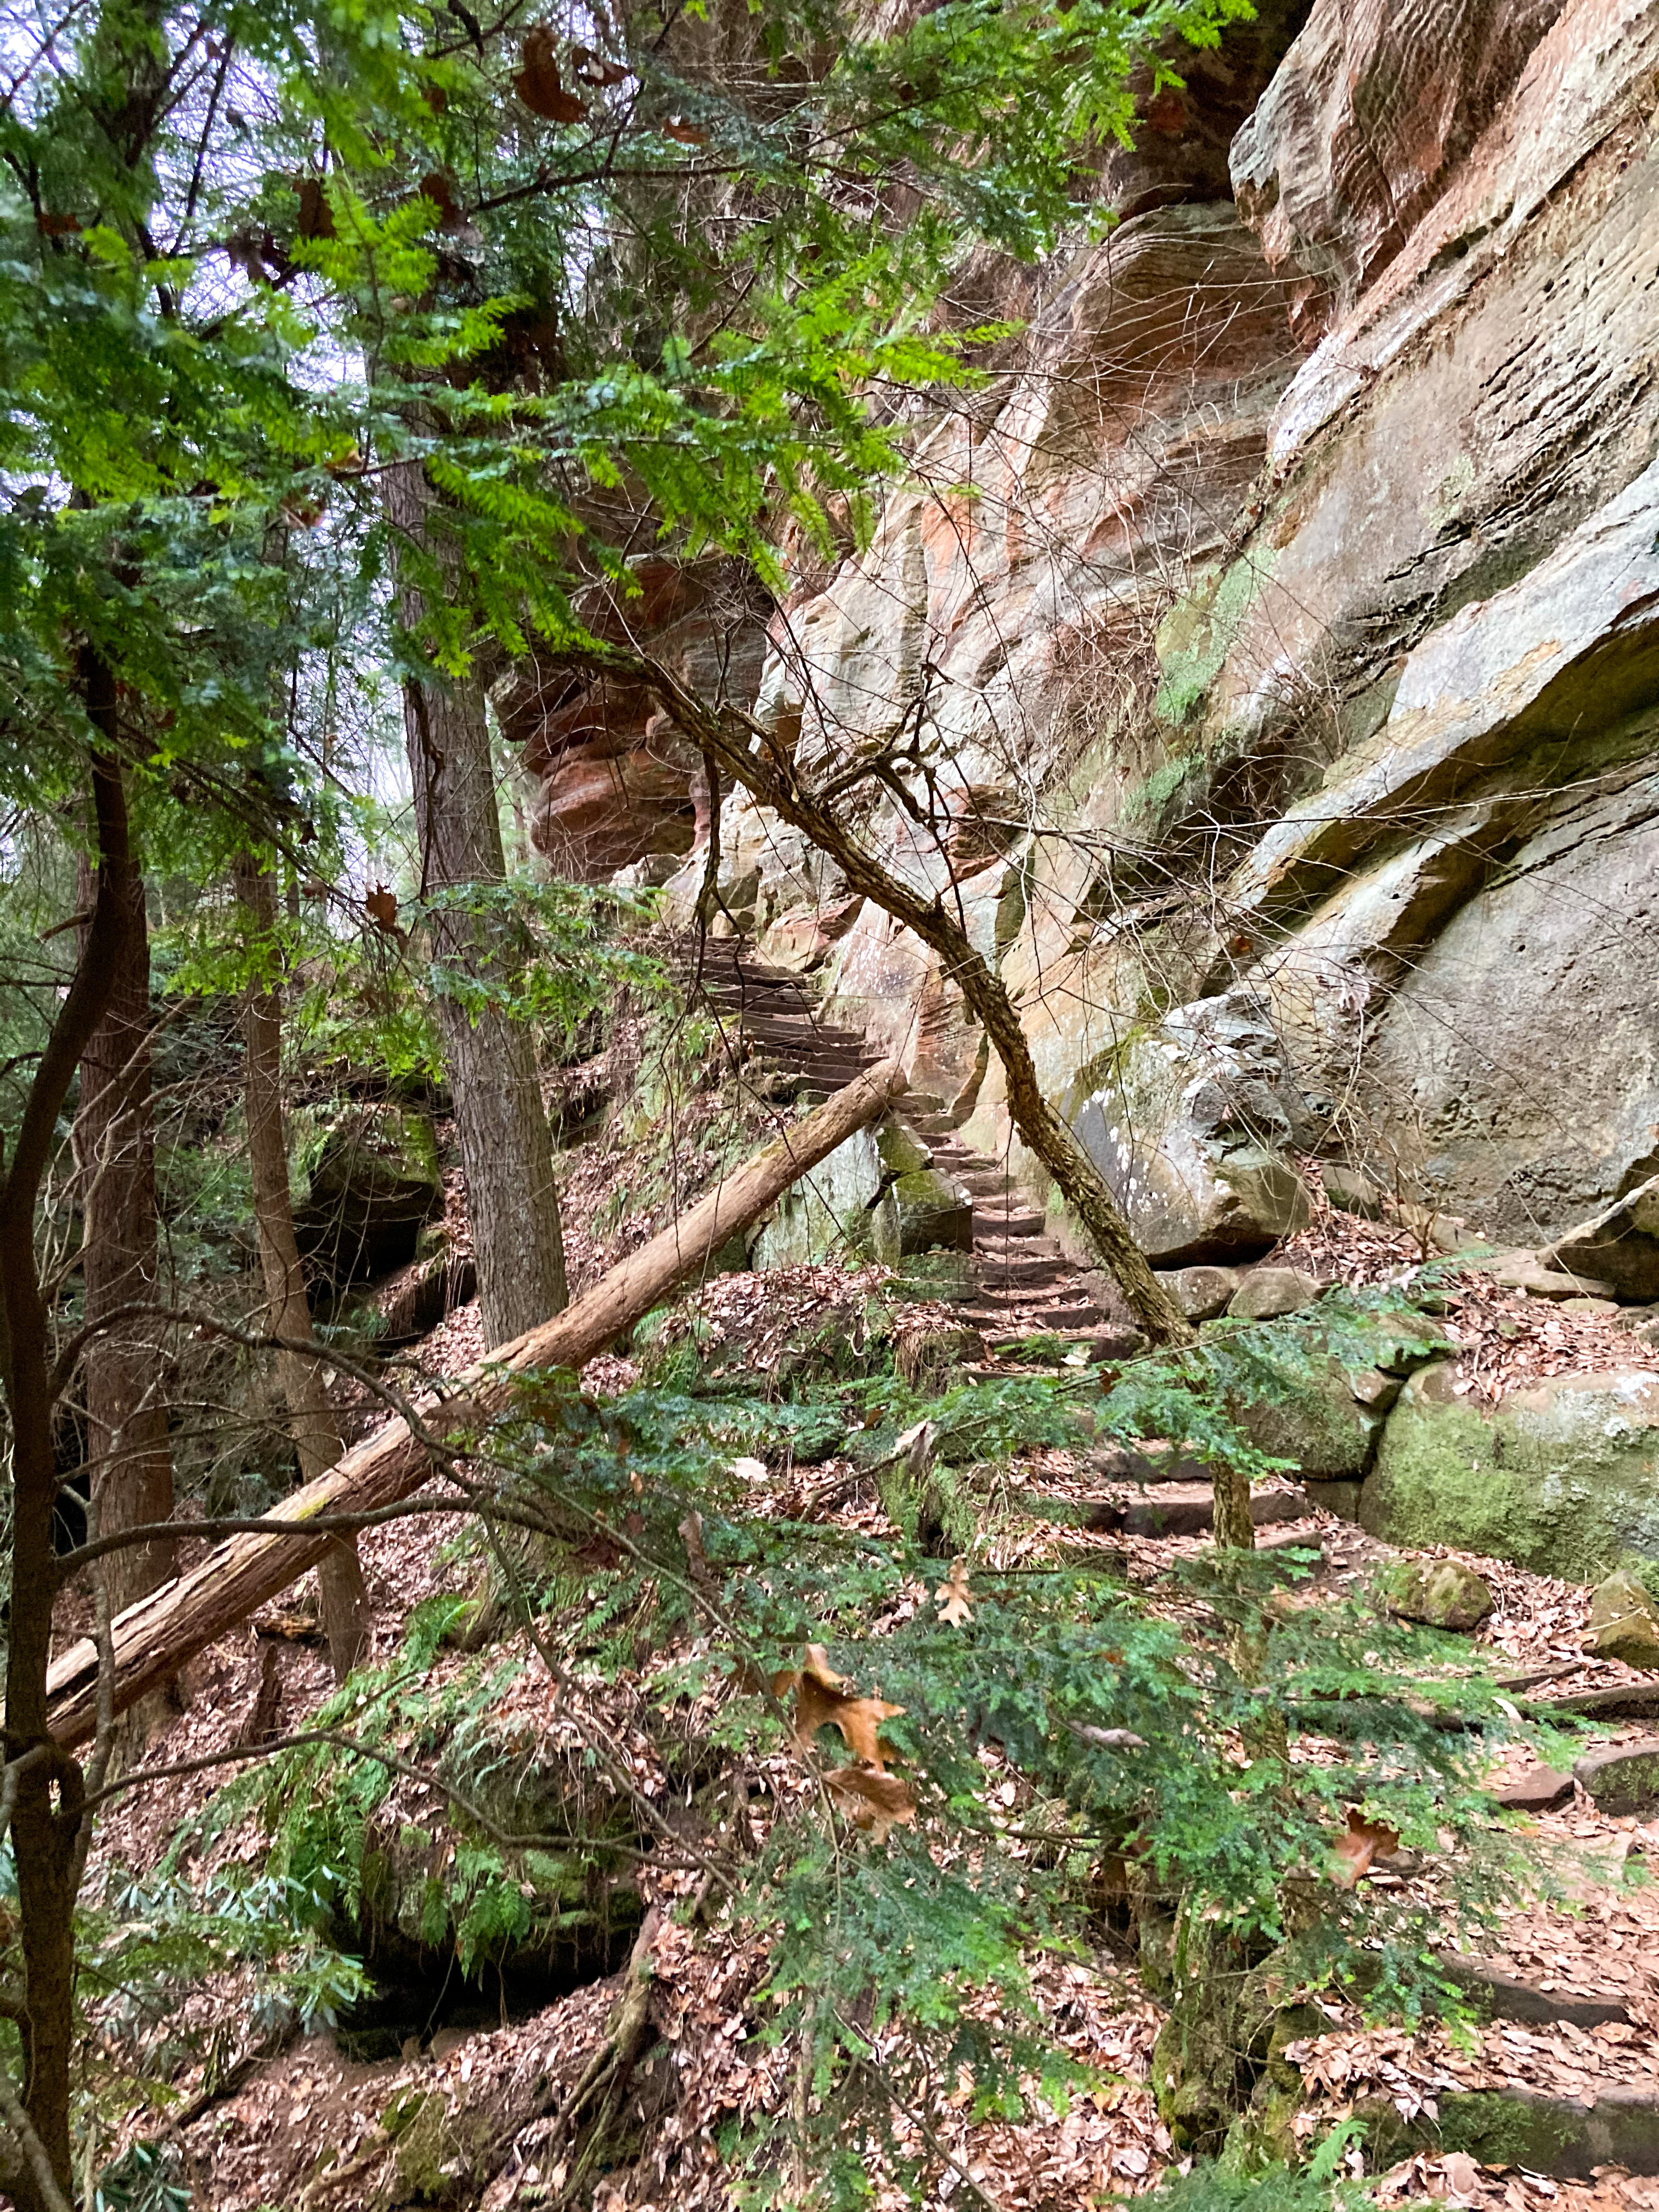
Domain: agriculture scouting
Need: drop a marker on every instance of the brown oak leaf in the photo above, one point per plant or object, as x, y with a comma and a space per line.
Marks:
954, 1604
589, 68
874, 1801
381, 907
822, 1701
1360, 1842
538, 84
316, 216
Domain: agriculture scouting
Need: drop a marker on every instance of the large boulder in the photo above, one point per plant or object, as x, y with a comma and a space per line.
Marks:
1563, 1478
1188, 1124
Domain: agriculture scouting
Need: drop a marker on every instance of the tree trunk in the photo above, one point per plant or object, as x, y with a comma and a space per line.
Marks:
310, 1417
506, 1148
115, 1149
48, 1808
157, 1636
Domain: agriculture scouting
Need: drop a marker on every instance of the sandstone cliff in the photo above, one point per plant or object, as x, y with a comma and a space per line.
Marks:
1280, 625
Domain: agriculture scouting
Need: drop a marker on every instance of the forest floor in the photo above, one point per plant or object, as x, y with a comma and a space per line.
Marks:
254, 2136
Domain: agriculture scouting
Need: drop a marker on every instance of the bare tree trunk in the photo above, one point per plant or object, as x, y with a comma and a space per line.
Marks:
506, 1148
310, 1417
115, 1149
157, 1636
47, 1795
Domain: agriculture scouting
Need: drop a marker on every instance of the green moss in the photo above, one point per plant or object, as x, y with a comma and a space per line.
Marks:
1500, 2130
1200, 631
1560, 1481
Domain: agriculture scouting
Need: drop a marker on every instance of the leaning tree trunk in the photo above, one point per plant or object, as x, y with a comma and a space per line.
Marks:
766, 770
507, 1149
115, 1148
310, 1417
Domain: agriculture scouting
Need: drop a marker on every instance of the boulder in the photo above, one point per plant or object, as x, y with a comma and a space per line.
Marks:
1189, 1127
1267, 1293
365, 1184
1200, 1292
1563, 1478
1624, 1621
1350, 1191
919, 1208
1439, 1593
1524, 1271
1623, 1780
878, 1194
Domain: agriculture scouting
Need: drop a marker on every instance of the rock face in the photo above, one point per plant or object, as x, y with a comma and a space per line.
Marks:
1564, 1477
1294, 715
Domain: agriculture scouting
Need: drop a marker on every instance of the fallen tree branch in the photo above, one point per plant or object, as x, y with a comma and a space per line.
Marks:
154, 1637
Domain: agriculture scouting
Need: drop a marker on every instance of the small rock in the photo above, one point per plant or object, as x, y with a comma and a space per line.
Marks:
1539, 1790
1439, 1593
1624, 1780
1267, 1292
1624, 1622
1350, 1191
1200, 1292
1524, 1271
1589, 1305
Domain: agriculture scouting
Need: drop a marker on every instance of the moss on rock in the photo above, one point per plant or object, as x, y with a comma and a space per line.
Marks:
1563, 1479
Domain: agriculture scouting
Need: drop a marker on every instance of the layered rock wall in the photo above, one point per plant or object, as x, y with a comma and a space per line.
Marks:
1276, 636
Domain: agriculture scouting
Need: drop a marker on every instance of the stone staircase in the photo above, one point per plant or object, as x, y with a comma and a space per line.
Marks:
1020, 1284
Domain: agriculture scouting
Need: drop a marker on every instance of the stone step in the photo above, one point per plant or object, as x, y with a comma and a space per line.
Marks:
986, 1183
993, 1308
989, 1228
1045, 1268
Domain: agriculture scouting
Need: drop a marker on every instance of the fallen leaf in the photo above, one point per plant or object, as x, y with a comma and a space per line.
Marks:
1463, 2178
880, 1802
954, 1604
1361, 1842
538, 84
381, 907
821, 1701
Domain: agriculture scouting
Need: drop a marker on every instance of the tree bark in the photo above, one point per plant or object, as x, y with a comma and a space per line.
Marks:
115, 1150
506, 1148
50, 1792
157, 1636
310, 1417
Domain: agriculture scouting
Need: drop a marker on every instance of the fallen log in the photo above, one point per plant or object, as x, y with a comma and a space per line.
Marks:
154, 1637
